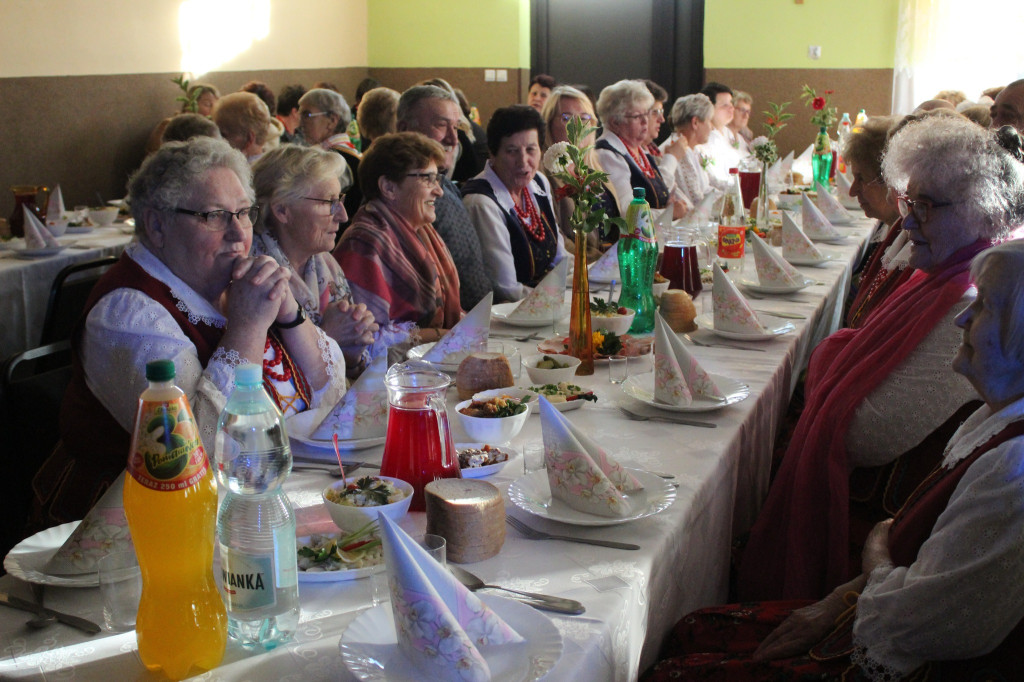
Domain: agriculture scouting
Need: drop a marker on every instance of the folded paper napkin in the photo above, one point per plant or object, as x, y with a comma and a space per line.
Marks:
772, 269
795, 244
580, 473
702, 211
787, 165
816, 225
363, 412
802, 163
55, 209
545, 301
830, 206
843, 185
36, 234
103, 530
606, 268
439, 623
678, 377
732, 312
469, 335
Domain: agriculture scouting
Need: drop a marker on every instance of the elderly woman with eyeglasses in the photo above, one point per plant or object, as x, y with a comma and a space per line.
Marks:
324, 118
186, 290
625, 108
691, 120
875, 392
396, 263
301, 210
510, 204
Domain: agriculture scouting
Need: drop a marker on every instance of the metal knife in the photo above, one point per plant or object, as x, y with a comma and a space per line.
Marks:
74, 621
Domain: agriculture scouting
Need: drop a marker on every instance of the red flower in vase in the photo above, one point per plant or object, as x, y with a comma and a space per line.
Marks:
565, 191
818, 103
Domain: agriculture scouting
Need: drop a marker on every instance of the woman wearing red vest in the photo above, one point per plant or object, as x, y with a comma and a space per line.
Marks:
187, 290
940, 595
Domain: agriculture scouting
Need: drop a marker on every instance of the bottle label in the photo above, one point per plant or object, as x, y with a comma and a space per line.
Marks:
247, 580
731, 239
643, 225
167, 453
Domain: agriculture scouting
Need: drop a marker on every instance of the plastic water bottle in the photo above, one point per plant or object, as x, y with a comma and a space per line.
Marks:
638, 259
732, 228
843, 133
862, 118
255, 521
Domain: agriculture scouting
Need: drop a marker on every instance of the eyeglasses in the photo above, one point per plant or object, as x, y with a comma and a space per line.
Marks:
431, 179
660, 111
635, 116
337, 205
313, 114
218, 221
921, 208
586, 118
742, 110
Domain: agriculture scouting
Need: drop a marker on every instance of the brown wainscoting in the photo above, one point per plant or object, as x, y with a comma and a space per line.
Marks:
485, 96
88, 132
855, 89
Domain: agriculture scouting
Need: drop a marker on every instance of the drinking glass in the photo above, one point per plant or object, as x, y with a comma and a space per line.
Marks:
618, 368
121, 587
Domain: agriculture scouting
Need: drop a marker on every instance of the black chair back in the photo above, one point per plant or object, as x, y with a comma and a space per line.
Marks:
68, 294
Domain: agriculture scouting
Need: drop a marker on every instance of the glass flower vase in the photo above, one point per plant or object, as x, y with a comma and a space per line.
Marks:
763, 212
581, 341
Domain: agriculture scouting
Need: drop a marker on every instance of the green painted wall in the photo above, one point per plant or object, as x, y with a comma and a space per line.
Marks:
449, 33
775, 34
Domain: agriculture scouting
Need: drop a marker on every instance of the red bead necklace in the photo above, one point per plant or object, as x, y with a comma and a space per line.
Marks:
529, 217
641, 160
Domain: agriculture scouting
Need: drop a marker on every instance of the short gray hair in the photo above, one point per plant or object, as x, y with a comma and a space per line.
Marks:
413, 96
286, 174
1011, 318
330, 101
619, 97
689, 106
959, 162
169, 177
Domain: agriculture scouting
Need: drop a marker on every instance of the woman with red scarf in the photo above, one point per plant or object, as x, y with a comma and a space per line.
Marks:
875, 392
939, 595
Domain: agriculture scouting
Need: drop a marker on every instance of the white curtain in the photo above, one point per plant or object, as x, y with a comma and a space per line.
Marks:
967, 45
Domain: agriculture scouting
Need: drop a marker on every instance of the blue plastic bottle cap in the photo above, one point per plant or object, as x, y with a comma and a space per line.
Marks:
248, 375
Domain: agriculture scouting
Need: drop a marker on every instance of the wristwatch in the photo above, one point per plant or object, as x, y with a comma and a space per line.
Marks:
300, 317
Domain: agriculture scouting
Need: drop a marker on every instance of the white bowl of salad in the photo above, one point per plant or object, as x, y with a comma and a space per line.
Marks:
610, 316
360, 499
493, 420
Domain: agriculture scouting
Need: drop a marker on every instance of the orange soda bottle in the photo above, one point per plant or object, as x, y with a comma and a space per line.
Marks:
171, 504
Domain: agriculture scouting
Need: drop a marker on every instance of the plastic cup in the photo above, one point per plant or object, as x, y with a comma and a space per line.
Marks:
618, 369
533, 457
121, 587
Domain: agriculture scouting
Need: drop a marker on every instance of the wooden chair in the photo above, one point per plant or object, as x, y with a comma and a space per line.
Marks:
68, 295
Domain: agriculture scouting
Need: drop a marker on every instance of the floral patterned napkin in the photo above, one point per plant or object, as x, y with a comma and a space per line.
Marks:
466, 337
816, 225
55, 209
830, 206
580, 472
843, 184
772, 269
363, 412
103, 530
732, 312
795, 244
606, 268
677, 374
36, 234
439, 623
546, 298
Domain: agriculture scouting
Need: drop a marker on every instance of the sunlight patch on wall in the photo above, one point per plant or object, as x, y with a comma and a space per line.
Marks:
213, 32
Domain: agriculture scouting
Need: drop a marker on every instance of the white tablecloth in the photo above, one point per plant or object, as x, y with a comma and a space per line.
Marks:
633, 598
25, 284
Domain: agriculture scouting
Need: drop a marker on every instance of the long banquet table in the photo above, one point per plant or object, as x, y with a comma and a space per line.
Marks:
632, 597
26, 283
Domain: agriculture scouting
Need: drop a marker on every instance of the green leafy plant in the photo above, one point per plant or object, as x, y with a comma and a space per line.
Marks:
189, 101
824, 113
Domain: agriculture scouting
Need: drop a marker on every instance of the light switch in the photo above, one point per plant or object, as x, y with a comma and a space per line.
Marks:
489, 75
814, 51
502, 75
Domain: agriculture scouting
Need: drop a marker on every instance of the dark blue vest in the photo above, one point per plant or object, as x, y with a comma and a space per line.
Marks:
656, 191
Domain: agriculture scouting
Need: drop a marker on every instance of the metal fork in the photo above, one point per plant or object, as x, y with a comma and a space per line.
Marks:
704, 344
330, 469
634, 416
534, 534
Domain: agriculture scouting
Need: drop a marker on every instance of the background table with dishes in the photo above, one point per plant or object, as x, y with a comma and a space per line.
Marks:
632, 598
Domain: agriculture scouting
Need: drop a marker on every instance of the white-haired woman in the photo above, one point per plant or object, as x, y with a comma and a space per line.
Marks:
625, 108
187, 290
691, 121
875, 392
939, 594
325, 117
301, 212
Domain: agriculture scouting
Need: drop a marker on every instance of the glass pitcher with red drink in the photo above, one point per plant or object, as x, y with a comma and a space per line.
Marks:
685, 252
418, 448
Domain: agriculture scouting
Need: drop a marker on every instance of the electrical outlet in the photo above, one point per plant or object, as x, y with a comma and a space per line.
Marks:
488, 75
502, 75
814, 51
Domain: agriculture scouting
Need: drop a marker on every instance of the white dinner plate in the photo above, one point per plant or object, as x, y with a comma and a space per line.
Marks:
759, 288
532, 494
502, 312
484, 471
299, 427
826, 258
774, 326
642, 388
45, 252
334, 576
838, 239
369, 646
28, 559
80, 229
417, 353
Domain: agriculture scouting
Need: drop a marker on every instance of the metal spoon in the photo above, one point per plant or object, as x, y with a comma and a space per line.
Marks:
42, 619
537, 601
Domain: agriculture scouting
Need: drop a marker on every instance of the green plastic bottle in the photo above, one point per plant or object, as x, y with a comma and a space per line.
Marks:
638, 259
821, 159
